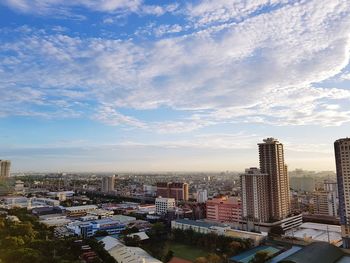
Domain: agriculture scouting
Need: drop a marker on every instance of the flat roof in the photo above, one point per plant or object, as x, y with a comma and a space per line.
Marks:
80, 207
196, 223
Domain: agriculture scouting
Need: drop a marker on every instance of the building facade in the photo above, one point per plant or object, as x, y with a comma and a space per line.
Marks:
5, 166
325, 203
255, 195
202, 196
342, 161
224, 209
179, 191
108, 184
271, 159
163, 205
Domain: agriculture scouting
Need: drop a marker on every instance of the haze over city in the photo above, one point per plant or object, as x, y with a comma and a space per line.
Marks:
171, 86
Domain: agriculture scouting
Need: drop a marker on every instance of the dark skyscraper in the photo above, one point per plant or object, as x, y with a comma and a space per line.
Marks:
271, 157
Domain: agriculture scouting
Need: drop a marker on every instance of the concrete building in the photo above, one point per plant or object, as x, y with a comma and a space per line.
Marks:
149, 190
342, 160
325, 203
255, 195
317, 232
108, 184
302, 183
271, 159
202, 196
224, 209
219, 229
5, 166
179, 191
82, 210
19, 187
163, 205
89, 228
125, 254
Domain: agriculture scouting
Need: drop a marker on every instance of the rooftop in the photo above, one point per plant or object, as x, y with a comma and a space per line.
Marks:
317, 252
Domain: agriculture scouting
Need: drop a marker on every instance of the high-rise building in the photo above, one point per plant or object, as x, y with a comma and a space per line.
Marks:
5, 168
179, 191
224, 209
163, 205
342, 161
271, 158
202, 196
302, 183
325, 203
255, 195
108, 184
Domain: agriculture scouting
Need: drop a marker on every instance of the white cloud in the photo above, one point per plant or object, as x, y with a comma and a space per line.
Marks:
65, 8
260, 69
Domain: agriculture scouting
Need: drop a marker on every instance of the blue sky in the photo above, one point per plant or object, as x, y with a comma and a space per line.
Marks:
132, 85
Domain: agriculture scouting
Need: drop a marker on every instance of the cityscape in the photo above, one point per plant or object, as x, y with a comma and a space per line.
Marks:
262, 214
148, 131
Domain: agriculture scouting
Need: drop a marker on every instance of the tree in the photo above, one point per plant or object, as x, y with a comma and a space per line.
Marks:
213, 258
133, 241
201, 260
168, 256
260, 257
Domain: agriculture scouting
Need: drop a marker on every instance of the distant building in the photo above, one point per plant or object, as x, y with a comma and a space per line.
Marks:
342, 160
325, 203
303, 183
179, 191
255, 195
163, 205
5, 166
150, 190
77, 211
224, 209
202, 196
88, 229
271, 159
108, 184
19, 187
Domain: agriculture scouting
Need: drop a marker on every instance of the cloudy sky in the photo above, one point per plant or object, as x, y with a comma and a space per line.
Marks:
132, 85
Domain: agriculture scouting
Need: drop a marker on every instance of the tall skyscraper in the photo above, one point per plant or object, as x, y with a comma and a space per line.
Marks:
342, 161
5, 168
108, 184
271, 158
255, 195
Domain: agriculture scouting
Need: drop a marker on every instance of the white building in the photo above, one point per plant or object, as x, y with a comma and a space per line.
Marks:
150, 190
125, 254
202, 196
163, 205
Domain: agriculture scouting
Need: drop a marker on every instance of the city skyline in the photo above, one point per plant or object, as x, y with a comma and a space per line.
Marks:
171, 85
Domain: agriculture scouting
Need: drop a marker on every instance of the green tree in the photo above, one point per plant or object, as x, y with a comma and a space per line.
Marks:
168, 256
201, 260
260, 257
213, 258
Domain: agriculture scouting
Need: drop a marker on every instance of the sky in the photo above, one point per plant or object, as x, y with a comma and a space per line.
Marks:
137, 85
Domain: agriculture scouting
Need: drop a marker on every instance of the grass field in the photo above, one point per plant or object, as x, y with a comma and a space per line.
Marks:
187, 252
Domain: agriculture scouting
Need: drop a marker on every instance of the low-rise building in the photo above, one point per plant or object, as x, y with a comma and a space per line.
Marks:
77, 211
88, 229
163, 205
